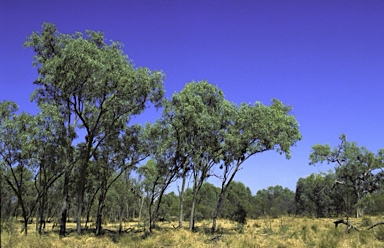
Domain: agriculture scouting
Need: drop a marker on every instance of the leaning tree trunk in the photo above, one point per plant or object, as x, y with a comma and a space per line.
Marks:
217, 210
227, 179
89, 208
157, 207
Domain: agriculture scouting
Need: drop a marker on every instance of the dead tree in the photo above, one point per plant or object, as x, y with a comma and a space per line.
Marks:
379, 223
345, 222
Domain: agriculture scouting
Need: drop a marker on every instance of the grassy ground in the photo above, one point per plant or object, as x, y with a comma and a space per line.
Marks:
283, 232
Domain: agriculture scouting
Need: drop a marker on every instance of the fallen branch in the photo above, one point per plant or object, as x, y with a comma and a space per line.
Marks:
349, 225
215, 238
128, 230
378, 223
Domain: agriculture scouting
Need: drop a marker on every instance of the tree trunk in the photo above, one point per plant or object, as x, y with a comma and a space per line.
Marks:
192, 216
65, 207
150, 218
141, 208
63, 219
40, 221
100, 207
80, 195
89, 208
121, 218
181, 197
157, 207
224, 187
25, 225
82, 182
217, 210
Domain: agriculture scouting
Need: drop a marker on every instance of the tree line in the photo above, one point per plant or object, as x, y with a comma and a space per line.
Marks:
80, 158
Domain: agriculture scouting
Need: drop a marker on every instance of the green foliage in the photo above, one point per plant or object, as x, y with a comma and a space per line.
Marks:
95, 87
17, 161
254, 129
313, 196
240, 215
274, 201
237, 194
358, 171
373, 203
88, 91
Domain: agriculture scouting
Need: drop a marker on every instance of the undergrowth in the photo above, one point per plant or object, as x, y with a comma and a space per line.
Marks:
287, 232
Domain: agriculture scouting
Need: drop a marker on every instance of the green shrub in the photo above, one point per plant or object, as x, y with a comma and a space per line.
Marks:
239, 215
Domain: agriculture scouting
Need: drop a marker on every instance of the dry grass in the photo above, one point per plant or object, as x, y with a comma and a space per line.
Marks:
283, 232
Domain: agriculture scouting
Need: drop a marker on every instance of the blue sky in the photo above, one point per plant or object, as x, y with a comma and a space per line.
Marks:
324, 58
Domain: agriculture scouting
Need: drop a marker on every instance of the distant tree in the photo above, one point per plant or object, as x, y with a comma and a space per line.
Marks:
313, 195
122, 198
8, 199
206, 199
274, 201
237, 196
372, 203
356, 168
169, 207
93, 83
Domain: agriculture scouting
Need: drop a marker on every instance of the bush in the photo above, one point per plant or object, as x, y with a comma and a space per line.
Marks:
239, 215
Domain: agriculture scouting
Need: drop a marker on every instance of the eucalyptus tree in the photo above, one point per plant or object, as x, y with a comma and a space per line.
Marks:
16, 156
169, 150
123, 197
254, 129
95, 86
163, 168
198, 113
356, 169
116, 155
46, 145
152, 181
